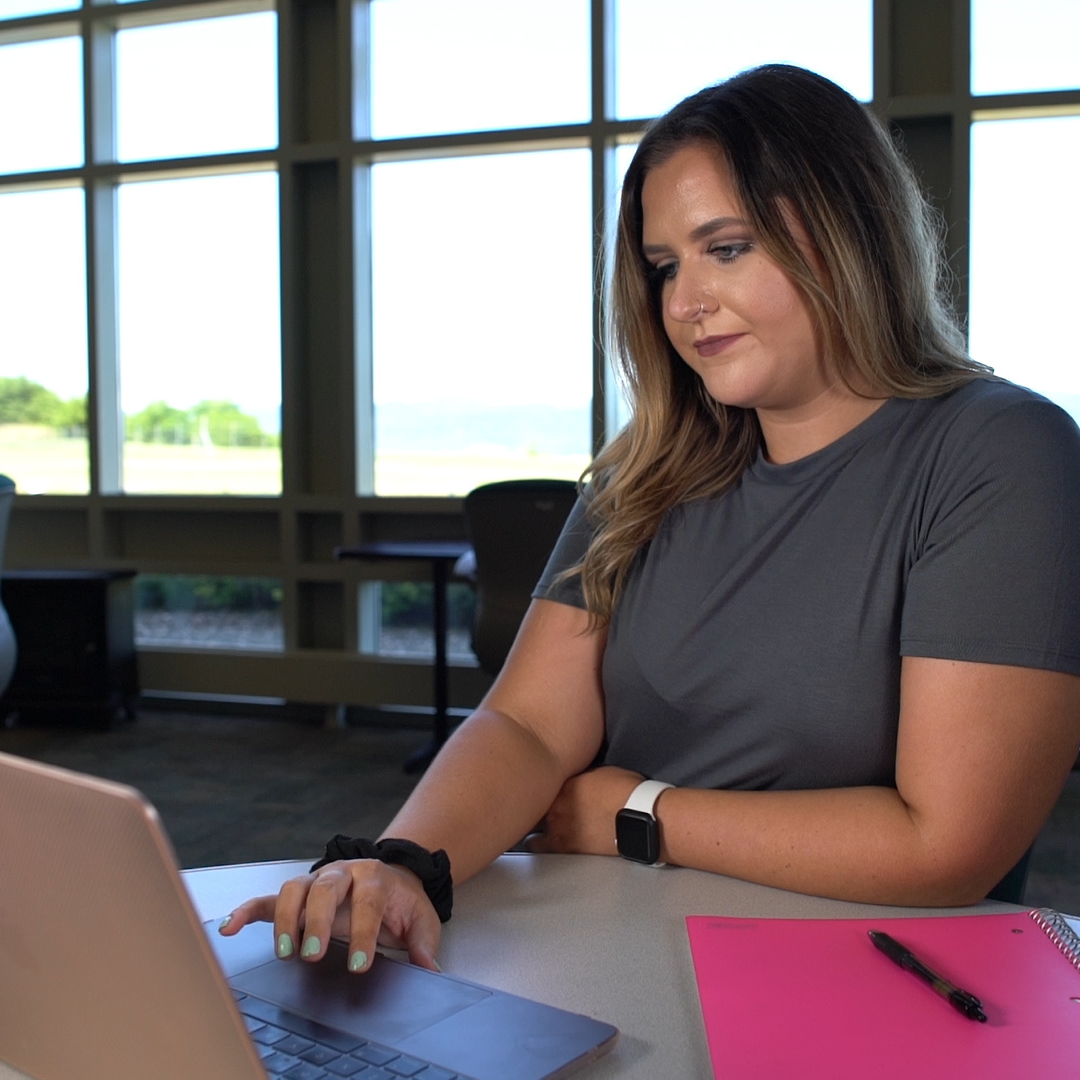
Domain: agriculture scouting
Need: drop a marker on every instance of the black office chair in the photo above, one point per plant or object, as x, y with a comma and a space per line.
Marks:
1011, 887
8, 648
512, 526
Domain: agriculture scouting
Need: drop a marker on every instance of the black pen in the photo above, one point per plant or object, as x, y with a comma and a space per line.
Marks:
967, 1003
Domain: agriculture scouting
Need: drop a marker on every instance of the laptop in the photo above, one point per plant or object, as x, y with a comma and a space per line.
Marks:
106, 972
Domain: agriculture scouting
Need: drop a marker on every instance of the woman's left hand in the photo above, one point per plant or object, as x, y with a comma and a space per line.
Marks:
582, 817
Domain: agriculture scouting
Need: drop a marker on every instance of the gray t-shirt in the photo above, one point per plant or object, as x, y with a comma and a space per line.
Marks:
758, 642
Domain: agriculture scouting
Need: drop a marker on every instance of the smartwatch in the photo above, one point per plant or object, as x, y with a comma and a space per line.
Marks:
637, 832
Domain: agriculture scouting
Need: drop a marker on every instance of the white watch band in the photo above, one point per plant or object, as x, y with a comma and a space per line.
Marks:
644, 796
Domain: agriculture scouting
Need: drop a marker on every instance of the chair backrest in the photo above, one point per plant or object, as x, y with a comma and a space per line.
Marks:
7, 496
513, 526
1011, 887
8, 649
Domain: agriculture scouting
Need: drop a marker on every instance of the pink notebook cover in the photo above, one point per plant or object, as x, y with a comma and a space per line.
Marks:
813, 999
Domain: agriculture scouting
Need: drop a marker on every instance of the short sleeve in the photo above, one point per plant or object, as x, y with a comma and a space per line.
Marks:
994, 571
569, 550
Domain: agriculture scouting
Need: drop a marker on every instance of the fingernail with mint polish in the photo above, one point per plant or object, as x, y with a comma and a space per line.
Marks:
224, 922
284, 946
358, 960
311, 947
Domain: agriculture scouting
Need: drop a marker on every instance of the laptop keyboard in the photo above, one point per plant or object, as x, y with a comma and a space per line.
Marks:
296, 1048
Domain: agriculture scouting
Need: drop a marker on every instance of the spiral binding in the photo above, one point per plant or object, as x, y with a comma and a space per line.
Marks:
1053, 924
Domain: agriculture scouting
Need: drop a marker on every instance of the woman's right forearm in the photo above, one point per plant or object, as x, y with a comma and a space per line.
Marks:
485, 790
541, 722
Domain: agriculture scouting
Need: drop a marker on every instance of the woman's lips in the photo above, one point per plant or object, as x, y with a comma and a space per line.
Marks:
710, 346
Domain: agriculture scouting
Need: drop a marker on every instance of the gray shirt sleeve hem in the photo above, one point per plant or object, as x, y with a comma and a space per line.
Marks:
992, 653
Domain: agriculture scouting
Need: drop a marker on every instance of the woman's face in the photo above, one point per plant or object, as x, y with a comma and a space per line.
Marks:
729, 310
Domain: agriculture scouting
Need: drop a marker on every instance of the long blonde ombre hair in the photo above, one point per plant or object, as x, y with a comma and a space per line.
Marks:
796, 141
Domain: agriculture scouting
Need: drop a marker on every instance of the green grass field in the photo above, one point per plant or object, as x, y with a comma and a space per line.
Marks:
42, 462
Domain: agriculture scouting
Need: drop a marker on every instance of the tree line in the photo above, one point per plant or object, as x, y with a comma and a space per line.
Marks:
25, 402
218, 423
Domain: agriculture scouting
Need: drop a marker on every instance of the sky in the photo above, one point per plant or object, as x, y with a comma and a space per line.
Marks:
1025, 233
482, 275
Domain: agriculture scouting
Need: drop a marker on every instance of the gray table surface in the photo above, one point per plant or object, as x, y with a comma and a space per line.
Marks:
591, 934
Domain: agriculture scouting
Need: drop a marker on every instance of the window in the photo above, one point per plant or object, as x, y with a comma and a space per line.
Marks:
1023, 275
198, 334
43, 349
667, 49
619, 407
484, 140
14, 9
1029, 46
41, 121
206, 86
208, 612
475, 65
482, 339
406, 619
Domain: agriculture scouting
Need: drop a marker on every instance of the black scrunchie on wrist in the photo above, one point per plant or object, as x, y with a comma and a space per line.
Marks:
431, 867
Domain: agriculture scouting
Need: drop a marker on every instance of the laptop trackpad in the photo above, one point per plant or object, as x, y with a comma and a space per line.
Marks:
387, 1003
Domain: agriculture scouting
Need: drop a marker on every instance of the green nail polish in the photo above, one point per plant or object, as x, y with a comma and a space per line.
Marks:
284, 946
224, 922
311, 947
358, 960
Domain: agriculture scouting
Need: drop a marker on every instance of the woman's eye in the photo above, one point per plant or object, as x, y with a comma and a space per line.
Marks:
659, 274
728, 253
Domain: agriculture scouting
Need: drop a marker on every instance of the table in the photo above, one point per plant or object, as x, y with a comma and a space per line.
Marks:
591, 934
442, 554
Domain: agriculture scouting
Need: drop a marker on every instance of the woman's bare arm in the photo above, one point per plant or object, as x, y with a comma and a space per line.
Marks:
541, 722
983, 752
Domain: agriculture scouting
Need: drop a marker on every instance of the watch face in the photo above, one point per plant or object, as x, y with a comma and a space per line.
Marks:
637, 836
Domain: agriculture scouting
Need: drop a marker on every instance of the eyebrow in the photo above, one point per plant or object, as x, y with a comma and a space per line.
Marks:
702, 231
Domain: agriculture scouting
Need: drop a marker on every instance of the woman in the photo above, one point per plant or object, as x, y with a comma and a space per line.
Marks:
826, 583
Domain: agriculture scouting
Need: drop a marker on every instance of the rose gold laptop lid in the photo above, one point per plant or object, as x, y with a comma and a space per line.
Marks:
105, 970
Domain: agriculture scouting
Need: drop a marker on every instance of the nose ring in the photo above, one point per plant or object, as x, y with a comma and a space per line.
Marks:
700, 309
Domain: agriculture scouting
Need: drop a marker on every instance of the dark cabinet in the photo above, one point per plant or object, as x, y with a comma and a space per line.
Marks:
76, 641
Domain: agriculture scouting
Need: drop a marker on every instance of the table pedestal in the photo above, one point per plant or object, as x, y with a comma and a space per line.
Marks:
442, 554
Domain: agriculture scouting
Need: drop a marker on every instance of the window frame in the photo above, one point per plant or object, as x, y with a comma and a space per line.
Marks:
921, 87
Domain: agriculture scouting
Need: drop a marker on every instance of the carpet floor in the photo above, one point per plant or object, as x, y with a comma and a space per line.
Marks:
241, 789
238, 789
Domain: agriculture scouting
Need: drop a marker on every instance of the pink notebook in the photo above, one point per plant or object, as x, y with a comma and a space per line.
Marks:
813, 999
